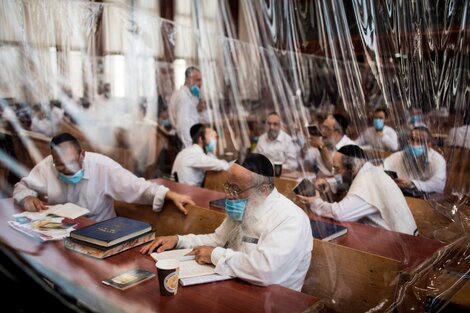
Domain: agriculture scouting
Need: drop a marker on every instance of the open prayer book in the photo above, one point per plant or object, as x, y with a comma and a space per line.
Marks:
191, 273
55, 223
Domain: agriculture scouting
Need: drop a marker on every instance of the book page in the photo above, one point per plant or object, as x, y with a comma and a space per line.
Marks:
69, 210
203, 279
188, 266
193, 269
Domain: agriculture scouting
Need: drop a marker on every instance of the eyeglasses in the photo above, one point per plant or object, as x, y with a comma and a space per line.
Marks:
234, 191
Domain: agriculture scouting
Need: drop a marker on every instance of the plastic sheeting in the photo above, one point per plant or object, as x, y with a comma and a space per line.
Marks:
114, 67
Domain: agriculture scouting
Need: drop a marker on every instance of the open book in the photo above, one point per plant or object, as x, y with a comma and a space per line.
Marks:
68, 210
191, 272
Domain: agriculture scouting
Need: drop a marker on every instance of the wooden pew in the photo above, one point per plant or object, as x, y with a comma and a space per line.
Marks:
171, 221
214, 180
432, 224
350, 280
458, 171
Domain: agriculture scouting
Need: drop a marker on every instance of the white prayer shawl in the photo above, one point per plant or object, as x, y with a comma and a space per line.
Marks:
378, 189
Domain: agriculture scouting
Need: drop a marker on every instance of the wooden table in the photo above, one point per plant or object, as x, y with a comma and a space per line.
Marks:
81, 276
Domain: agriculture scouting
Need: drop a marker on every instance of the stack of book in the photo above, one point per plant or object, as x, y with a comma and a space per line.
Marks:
109, 237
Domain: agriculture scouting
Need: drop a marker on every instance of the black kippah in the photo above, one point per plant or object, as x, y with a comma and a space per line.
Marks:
353, 151
259, 164
342, 121
194, 129
64, 137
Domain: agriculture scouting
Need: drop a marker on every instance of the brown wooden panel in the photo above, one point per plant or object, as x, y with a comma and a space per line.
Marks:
350, 280
171, 221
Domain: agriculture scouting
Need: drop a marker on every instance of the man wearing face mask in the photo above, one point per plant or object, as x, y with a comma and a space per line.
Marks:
90, 180
191, 163
277, 145
418, 166
372, 197
323, 148
380, 136
266, 239
183, 105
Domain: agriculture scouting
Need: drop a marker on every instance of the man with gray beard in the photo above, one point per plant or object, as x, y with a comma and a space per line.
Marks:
266, 239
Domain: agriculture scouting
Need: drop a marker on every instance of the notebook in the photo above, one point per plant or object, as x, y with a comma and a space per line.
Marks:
191, 272
326, 231
110, 232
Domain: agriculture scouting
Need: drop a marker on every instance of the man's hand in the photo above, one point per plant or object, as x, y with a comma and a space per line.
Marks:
179, 200
316, 141
202, 254
404, 183
163, 243
322, 185
33, 204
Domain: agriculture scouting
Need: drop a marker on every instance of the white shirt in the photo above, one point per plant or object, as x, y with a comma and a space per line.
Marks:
437, 167
313, 155
282, 149
389, 140
43, 126
459, 137
384, 199
104, 181
192, 163
281, 255
182, 110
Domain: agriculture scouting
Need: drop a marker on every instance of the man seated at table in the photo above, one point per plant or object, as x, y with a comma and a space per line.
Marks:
380, 136
266, 239
277, 145
418, 167
191, 163
88, 179
333, 136
372, 196
460, 136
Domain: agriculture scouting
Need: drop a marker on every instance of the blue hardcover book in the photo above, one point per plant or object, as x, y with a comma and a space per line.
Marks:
110, 232
326, 231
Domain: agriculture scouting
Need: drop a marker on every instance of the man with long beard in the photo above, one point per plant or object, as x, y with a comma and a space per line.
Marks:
266, 239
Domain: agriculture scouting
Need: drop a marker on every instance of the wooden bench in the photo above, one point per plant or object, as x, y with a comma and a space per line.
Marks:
432, 224
350, 280
171, 221
214, 180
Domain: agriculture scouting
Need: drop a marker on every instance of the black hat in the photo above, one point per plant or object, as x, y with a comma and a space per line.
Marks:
194, 129
353, 151
63, 137
342, 121
259, 164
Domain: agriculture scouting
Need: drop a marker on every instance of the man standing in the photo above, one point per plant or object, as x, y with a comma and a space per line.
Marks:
277, 145
183, 106
192, 162
266, 239
90, 180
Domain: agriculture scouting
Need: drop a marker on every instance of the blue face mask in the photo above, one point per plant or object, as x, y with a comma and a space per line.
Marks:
212, 145
379, 123
416, 151
166, 123
415, 119
72, 179
196, 91
235, 208
301, 140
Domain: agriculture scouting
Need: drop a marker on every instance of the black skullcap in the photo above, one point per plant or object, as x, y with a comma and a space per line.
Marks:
194, 129
259, 164
353, 151
64, 137
342, 121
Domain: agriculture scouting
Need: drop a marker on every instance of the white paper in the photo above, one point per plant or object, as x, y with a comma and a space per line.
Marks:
69, 210
188, 265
